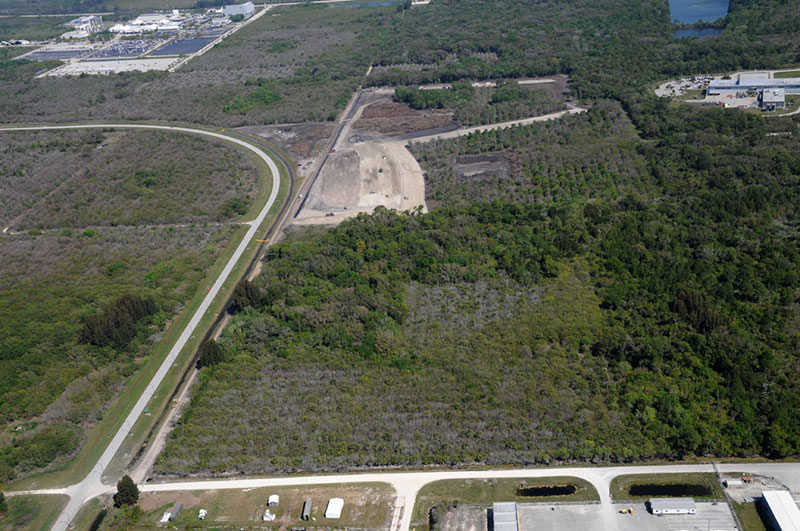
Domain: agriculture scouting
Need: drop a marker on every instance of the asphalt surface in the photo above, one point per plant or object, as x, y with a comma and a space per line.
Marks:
92, 485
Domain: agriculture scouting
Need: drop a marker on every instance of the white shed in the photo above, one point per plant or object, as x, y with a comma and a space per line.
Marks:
334, 509
273, 500
733, 483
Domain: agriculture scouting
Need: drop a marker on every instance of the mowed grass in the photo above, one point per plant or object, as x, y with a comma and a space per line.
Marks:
487, 491
366, 506
32, 512
749, 516
793, 73
32, 28
620, 485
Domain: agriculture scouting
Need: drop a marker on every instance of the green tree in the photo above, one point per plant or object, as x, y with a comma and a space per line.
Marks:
127, 492
210, 354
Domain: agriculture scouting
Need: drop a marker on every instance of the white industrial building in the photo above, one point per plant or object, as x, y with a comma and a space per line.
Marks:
334, 509
246, 9
782, 510
733, 483
659, 506
504, 515
772, 91
89, 24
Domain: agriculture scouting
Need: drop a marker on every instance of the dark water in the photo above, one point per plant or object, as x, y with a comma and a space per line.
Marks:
695, 32
678, 489
549, 490
691, 11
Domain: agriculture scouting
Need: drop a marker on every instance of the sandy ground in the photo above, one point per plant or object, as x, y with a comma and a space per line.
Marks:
352, 182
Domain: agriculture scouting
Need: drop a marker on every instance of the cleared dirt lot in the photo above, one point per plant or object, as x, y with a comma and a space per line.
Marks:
393, 119
362, 177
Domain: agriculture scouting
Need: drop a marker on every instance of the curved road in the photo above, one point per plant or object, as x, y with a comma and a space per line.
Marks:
92, 485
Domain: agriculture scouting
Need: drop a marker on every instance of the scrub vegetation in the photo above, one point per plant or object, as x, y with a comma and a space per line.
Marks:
625, 288
82, 303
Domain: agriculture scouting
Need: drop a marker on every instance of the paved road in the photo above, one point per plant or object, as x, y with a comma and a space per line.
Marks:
502, 125
408, 484
92, 485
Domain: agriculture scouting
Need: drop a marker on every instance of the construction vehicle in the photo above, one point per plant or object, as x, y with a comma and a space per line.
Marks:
174, 403
623, 511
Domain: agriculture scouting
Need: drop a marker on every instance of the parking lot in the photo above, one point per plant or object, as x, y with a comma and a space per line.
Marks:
183, 46
126, 48
541, 517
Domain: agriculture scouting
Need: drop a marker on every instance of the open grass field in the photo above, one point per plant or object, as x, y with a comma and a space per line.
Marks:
31, 513
620, 485
32, 28
487, 491
792, 73
366, 506
52, 279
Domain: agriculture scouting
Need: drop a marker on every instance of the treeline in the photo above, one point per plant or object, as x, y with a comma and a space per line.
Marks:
118, 324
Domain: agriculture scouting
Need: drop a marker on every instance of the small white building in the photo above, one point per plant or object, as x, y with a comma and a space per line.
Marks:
202, 514
246, 9
334, 508
782, 510
660, 506
273, 500
733, 483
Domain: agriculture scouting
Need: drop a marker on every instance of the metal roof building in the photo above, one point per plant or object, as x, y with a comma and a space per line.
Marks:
245, 9
753, 82
782, 510
672, 506
505, 516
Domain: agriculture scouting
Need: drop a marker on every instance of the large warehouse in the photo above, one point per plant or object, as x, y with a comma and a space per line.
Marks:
782, 510
753, 82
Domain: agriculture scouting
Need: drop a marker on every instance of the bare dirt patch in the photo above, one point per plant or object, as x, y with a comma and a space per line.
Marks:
392, 119
303, 141
470, 168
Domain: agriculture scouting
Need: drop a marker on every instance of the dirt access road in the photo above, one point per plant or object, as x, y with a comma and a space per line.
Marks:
92, 484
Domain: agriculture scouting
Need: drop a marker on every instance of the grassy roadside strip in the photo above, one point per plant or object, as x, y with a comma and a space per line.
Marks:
621, 485
486, 491
161, 401
97, 437
32, 511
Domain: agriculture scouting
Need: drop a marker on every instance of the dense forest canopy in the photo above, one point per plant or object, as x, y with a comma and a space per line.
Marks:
627, 285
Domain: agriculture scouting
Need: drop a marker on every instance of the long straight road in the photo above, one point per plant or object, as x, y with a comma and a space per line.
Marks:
92, 485
408, 484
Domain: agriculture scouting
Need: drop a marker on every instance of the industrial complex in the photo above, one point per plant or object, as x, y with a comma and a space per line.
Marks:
762, 90
151, 41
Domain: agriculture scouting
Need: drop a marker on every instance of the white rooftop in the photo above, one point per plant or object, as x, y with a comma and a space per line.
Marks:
783, 509
774, 96
334, 509
671, 503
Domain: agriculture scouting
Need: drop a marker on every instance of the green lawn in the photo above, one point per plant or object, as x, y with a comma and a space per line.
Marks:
793, 73
621, 485
749, 517
487, 491
97, 438
32, 512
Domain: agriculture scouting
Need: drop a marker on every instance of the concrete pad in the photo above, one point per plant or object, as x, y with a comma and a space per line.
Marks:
541, 517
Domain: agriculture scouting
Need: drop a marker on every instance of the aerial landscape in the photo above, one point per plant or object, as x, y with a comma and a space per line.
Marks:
400, 265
